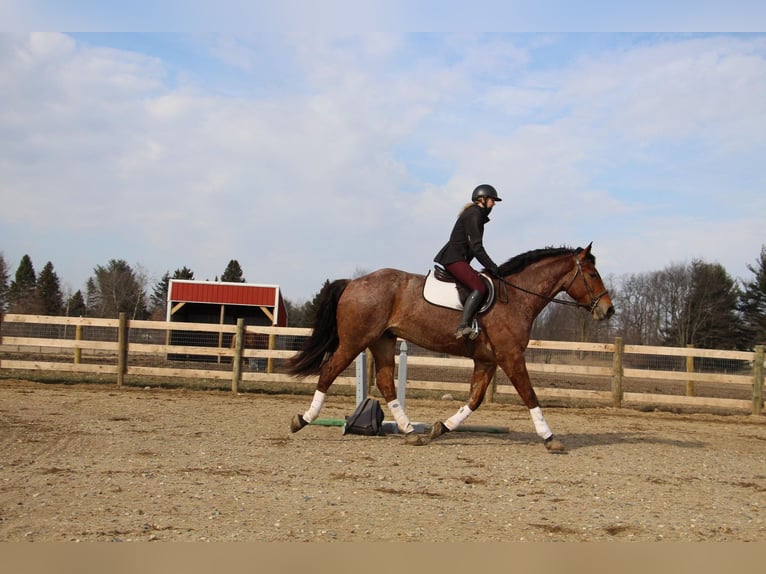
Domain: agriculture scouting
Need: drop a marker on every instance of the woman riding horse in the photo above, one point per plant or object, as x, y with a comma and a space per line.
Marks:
466, 242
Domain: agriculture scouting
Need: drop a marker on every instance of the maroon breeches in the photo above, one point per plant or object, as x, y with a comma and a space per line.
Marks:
468, 276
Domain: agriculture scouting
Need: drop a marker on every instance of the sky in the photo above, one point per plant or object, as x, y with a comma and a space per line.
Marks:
307, 152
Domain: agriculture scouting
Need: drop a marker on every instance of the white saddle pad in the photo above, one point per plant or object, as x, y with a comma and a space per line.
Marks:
445, 294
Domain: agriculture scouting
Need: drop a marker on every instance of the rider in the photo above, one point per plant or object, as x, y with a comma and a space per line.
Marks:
464, 244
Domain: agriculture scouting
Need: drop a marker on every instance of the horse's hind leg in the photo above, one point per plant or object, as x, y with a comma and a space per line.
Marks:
383, 351
329, 371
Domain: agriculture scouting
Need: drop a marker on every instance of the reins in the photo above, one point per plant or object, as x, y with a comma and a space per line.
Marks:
594, 298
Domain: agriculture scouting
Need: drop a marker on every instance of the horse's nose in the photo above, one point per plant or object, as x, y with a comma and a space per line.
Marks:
610, 311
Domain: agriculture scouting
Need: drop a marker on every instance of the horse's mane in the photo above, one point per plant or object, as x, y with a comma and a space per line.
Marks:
523, 260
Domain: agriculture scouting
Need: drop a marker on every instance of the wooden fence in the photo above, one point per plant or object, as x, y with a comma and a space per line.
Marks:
609, 373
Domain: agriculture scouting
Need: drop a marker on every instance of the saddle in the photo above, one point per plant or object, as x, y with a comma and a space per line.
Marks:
443, 289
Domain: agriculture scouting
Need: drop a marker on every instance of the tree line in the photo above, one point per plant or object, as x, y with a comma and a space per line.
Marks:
695, 303
113, 288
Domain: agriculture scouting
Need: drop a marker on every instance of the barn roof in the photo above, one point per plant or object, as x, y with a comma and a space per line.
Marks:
223, 293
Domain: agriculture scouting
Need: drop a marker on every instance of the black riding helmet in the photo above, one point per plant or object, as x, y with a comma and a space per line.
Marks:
485, 190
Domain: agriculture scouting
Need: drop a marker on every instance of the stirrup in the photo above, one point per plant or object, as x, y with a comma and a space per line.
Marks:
471, 331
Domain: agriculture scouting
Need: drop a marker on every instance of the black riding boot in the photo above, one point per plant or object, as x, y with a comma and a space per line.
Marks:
471, 305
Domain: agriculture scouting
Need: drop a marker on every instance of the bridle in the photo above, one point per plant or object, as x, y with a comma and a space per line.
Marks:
594, 299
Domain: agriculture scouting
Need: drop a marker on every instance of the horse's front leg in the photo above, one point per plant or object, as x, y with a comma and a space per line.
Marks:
517, 372
482, 375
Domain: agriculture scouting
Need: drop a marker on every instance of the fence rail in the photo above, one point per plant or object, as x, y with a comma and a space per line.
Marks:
612, 373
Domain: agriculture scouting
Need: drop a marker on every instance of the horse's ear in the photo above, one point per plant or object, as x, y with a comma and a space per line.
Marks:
583, 253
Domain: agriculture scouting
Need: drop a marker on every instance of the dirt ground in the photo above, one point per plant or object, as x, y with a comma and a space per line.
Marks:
100, 463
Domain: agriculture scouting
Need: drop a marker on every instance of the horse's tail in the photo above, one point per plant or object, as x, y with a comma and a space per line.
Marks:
324, 338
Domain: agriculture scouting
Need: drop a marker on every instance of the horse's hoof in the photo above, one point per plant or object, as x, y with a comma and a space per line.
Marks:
297, 423
554, 445
438, 429
413, 439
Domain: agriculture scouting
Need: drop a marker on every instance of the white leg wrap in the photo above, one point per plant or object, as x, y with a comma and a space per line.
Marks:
542, 428
455, 420
316, 406
402, 420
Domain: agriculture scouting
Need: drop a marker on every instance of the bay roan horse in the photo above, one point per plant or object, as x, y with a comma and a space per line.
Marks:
372, 311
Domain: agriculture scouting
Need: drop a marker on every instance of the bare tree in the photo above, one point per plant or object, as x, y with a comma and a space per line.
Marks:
648, 303
707, 316
632, 320
116, 288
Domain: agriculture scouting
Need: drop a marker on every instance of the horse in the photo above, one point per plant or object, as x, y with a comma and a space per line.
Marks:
374, 310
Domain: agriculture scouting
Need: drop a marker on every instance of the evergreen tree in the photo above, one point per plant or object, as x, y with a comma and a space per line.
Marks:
22, 291
76, 305
304, 314
48, 291
159, 297
233, 273
708, 317
3, 284
311, 307
752, 304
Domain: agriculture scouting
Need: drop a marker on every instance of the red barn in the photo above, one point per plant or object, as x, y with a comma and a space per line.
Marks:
222, 304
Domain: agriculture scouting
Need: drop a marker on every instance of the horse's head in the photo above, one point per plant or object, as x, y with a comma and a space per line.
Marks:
586, 287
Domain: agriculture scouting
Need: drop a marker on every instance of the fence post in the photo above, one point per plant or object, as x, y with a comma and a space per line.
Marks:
758, 380
77, 350
236, 360
492, 388
401, 386
370, 370
689, 369
122, 348
270, 360
617, 371
361, 377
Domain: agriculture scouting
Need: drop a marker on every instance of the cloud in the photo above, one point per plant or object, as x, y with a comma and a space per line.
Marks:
341, 16
309, 156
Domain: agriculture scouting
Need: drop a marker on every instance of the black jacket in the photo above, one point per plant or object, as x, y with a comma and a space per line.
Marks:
465, 241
